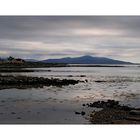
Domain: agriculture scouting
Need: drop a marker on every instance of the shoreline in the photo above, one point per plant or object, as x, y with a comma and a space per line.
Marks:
48, 65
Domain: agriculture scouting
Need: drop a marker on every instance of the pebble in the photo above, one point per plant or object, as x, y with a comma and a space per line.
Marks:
18, 118
83, 113
78, 113
13, 113
84, 105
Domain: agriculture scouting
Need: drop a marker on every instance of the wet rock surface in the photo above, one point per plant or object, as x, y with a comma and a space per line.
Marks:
113, 113
80, 113
107, 116
33, 82
109, 104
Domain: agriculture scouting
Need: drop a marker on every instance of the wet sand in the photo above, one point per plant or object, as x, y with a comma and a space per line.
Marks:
48, 111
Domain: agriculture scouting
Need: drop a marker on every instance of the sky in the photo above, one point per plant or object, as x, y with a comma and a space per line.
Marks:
43, 37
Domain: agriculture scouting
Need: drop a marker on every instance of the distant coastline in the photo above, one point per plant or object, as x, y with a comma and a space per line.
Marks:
83, 61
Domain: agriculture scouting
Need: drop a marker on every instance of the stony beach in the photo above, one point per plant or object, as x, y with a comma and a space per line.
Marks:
112, 113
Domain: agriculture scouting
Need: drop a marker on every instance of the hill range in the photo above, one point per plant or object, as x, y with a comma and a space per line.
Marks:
85, 60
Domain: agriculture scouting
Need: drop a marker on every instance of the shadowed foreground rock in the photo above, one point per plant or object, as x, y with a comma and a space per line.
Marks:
33, 82
109, 104
113, 113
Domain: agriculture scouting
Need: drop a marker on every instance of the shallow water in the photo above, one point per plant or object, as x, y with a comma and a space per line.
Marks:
57, 105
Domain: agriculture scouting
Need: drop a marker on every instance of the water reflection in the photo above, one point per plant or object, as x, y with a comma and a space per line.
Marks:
58, 104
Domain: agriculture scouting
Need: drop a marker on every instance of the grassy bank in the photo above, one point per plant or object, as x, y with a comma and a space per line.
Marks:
31, 65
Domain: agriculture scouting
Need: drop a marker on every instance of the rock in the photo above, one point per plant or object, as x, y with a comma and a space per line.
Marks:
18, 118
124, 122
70, 76
78, 113
13, 113
3, 101
82, 75
83, 113
84, 105
100, 81
107, 116
133, 118
109, 104
135, 112
113, 113
25, 81
92, 115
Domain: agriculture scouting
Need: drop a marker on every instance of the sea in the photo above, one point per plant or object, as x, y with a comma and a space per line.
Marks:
58, 105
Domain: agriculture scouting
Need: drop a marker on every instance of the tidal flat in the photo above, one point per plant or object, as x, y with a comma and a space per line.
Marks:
53, 103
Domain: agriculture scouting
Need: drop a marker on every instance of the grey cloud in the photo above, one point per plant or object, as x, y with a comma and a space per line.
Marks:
57, 36
41, 27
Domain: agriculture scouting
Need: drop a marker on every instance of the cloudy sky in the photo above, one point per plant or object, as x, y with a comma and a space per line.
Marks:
70, 36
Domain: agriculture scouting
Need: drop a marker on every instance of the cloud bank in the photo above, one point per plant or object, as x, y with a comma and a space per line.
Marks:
42, 37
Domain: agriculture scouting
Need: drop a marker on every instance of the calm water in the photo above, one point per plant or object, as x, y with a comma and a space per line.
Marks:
58, 105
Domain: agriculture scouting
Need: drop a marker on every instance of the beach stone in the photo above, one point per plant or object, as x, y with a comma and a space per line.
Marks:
135, 112
78, 113
92, 115
13, 113
82, 75
3, 101
133, 118
83, 113
100, 81
18, 118
84, 105
124, 122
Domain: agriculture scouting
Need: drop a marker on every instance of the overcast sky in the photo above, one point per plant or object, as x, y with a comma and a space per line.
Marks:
70, 36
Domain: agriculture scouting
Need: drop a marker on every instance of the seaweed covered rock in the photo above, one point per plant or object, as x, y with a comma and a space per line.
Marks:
23, 81
108, 104
113, 113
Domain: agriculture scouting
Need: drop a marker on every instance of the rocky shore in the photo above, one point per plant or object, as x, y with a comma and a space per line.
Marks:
33, 82
112, 113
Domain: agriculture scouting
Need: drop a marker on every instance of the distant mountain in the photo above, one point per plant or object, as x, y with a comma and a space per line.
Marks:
86, 60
